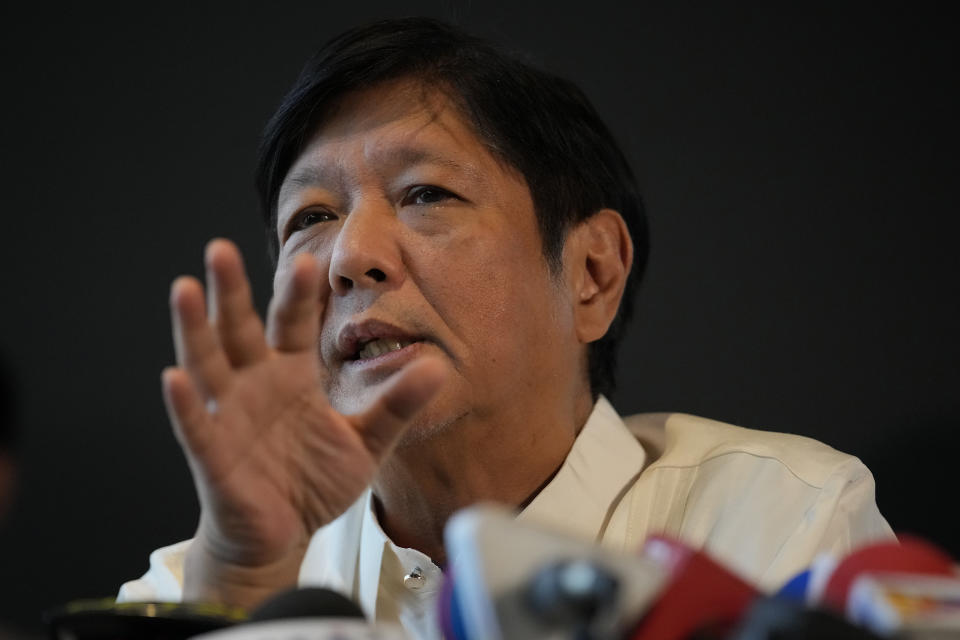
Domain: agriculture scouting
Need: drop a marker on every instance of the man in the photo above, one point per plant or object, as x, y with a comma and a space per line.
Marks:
457, 239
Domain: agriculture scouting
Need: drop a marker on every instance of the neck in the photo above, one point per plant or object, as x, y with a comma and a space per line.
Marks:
424, 482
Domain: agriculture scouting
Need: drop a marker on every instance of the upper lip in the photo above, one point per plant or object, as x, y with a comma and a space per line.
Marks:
354, 335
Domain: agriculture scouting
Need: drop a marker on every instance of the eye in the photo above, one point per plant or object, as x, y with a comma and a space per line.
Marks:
426, 194
309, 218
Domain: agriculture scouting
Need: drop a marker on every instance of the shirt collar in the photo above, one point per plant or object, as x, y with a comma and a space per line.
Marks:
580, 499
374, 546
373, 542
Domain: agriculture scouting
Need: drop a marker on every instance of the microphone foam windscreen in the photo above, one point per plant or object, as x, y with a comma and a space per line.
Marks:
310, 602
910, 555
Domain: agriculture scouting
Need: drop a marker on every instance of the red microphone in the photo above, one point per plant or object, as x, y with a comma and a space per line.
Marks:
699, 595
911, 556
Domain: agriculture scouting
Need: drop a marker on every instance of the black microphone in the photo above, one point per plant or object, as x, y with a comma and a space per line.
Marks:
309, 602
783, 619
108, 620
311, 612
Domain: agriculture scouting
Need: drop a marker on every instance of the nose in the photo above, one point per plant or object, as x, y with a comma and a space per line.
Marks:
366, 254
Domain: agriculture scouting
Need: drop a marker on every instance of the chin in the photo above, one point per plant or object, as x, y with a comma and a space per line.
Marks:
418, 434
438, 418
353, 398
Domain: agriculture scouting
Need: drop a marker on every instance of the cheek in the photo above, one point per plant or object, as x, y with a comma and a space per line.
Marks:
281, 280
318, 247
494, 293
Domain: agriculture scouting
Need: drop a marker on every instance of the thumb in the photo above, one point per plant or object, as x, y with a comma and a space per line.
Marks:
414, 386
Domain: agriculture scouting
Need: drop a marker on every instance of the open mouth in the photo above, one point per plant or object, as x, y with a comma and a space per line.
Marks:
375, 340
380, 346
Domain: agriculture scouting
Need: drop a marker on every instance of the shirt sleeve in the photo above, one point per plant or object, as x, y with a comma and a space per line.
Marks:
856, 519
844, 517
163, 581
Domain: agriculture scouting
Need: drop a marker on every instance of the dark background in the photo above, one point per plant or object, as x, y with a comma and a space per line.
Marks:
798, 165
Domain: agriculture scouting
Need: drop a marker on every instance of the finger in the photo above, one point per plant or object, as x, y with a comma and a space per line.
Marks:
231, 305
198, 350
294, 316
186, 410
393, 411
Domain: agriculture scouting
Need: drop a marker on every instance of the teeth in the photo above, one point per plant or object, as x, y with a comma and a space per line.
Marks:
380, 346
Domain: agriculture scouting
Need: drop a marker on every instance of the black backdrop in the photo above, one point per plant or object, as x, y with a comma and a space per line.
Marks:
798, 164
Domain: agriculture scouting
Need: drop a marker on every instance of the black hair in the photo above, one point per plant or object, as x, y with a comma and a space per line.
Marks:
540, 125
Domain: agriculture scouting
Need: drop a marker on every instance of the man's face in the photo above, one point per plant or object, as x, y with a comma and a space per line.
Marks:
431, 246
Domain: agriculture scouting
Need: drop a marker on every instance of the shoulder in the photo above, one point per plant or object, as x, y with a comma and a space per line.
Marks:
764, 503
678, 440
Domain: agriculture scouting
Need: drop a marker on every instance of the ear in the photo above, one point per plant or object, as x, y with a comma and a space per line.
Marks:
598, 254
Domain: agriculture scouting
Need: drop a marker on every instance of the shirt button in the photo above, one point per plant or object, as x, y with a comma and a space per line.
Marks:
414, 580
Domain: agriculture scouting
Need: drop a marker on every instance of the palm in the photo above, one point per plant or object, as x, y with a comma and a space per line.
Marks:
271, 459
279, 460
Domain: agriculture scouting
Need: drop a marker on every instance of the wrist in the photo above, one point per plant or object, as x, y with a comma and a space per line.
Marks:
207, 578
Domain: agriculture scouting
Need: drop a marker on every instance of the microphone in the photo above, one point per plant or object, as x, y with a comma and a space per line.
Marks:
700, 597
911, 588
704, 600
912, 556
511, 580
308, 602
105, 619
311, 612
314, 612
786, 619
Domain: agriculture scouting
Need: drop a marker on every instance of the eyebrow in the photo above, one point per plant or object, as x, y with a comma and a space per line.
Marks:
323, 175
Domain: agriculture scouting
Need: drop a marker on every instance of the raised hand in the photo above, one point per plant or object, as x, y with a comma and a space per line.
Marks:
270, 458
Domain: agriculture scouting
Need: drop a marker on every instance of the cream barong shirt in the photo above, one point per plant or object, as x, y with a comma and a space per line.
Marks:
764, 504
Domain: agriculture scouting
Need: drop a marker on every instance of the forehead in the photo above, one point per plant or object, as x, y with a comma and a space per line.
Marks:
408, 100
393, 125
